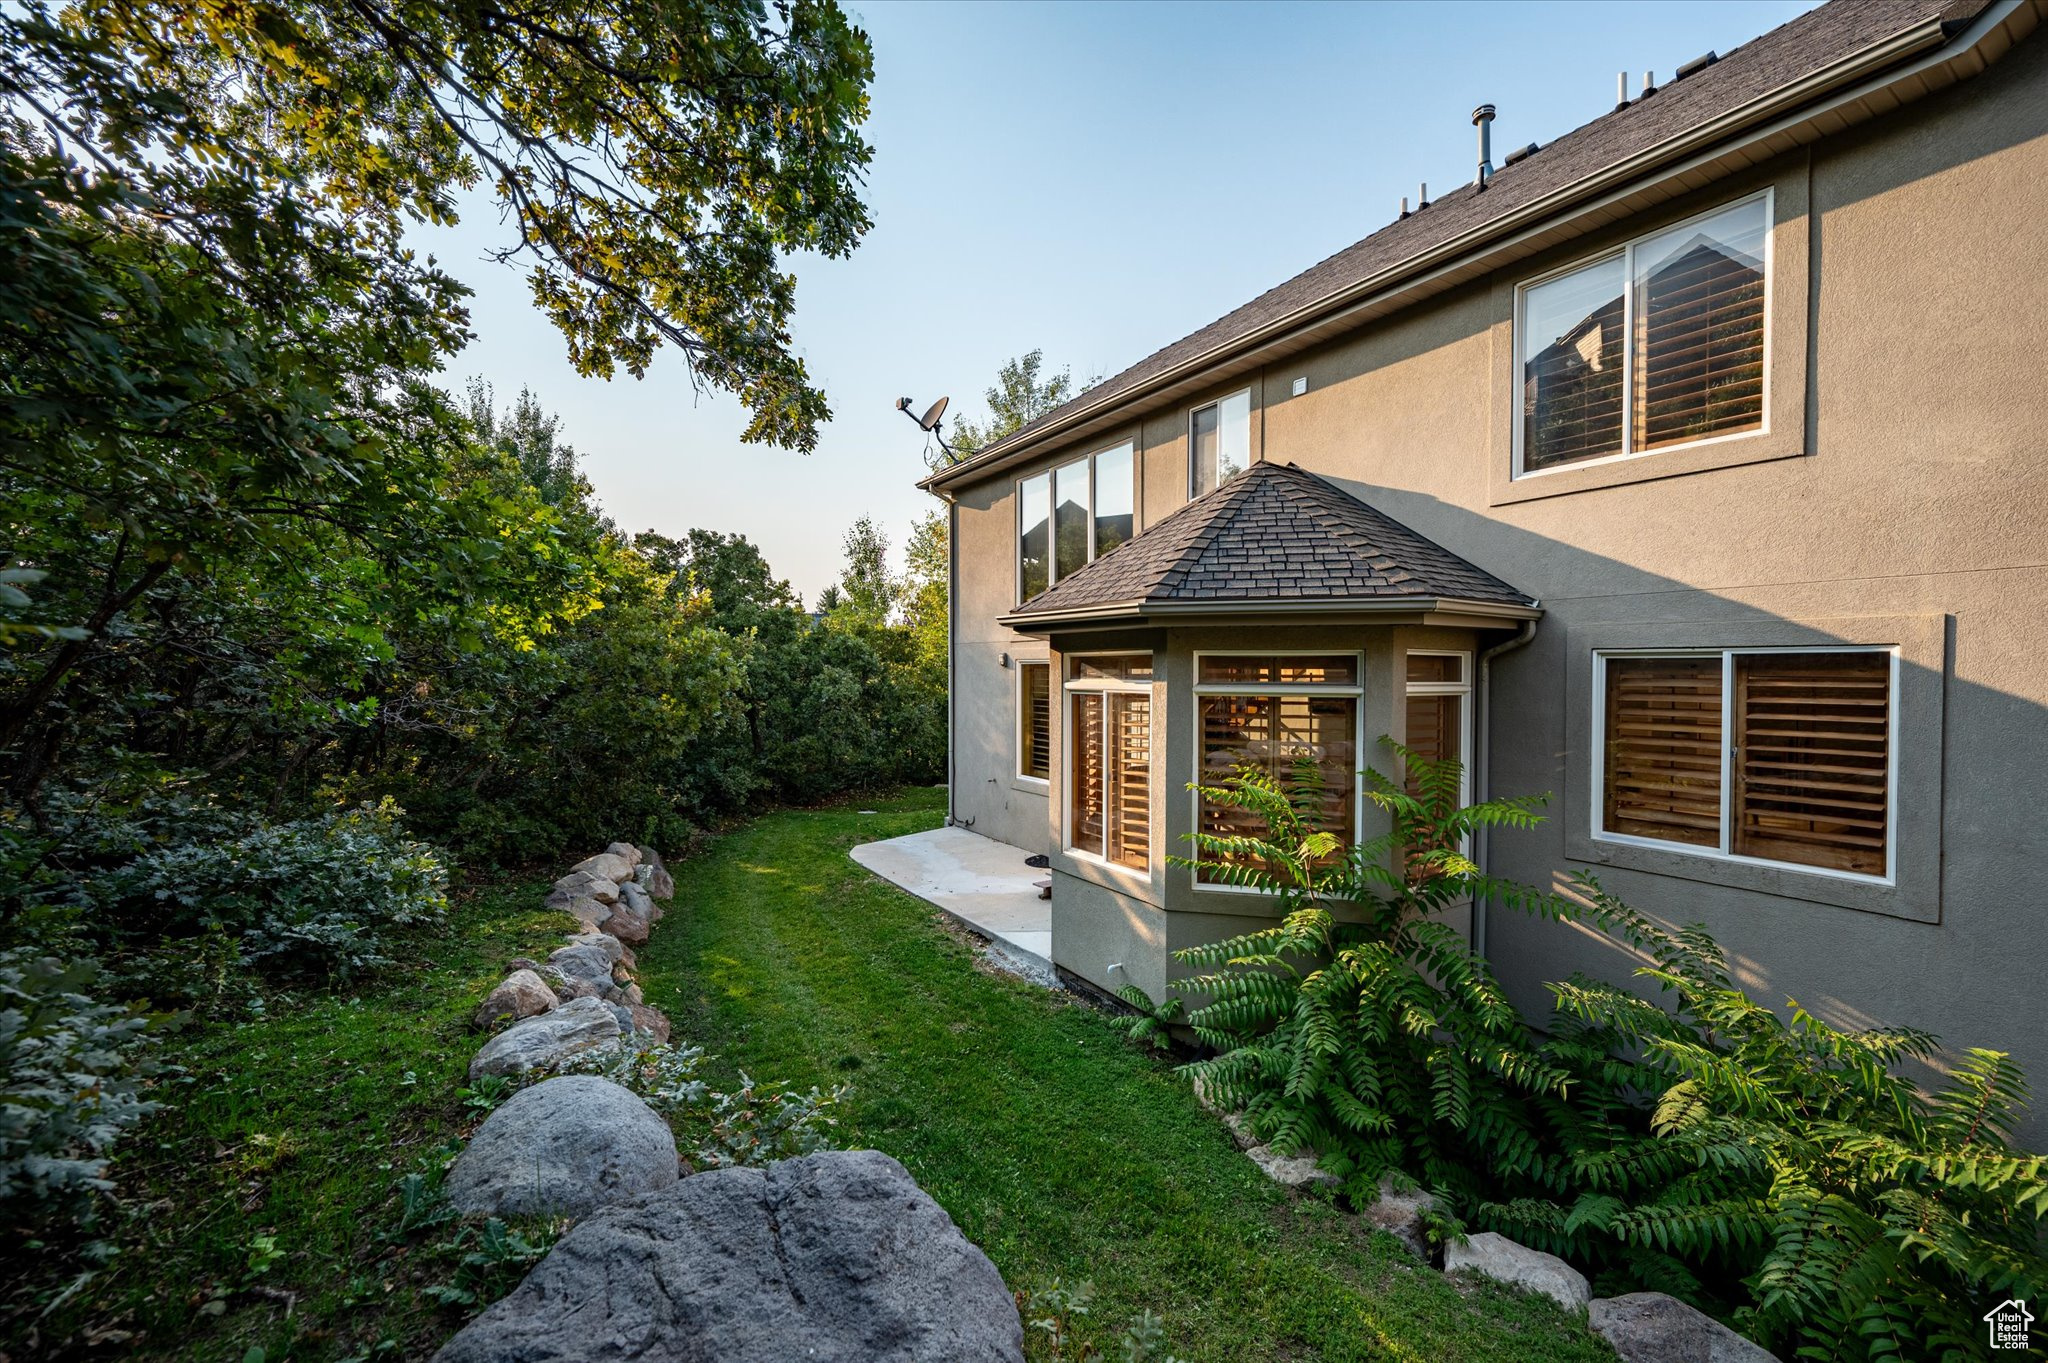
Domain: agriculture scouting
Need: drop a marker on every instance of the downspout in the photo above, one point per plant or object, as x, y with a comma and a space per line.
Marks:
1482, 763
952, 653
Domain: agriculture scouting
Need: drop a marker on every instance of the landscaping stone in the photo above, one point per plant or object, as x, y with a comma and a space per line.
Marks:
630, 993
610, 865
614, 951
525, 963
522, 994
1240, 1129
591, 913
628, 924
1399, 1214
584, 962
627, 852
1649, 1327
1294, 1171
836, 1257
578, 1027
659, 883
582, 885
1503, 1260
651, 1021
634, 897
564, 1147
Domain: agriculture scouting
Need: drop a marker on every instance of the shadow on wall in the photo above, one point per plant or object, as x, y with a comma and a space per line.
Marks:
1955, 950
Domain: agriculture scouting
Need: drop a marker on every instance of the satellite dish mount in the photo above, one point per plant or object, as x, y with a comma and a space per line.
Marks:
929, 422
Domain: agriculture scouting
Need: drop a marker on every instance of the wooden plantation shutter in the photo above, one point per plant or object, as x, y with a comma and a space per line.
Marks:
1110, 799
1663, 758
1088, 797
1700, 351
1130, 787
1036, 721
1813, 755
1303, 739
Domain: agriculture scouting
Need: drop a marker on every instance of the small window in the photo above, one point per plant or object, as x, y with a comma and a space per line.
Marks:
1439, 692
1034, 721
1293, 717
1659, 344
1219, 442
1072, 514
1766, 756
1109, 796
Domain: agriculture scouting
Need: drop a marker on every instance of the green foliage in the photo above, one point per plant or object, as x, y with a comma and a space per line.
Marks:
1152, 1024
74, 1075
1870, 1219
1022, 393
754, 1125
313, 897
1361, 1027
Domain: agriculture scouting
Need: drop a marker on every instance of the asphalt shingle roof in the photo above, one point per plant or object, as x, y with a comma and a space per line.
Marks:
1815, 40
1274, 533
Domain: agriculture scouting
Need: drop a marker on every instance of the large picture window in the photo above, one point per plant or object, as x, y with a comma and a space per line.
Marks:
1219, 442
1774, 756
1073, 513
1658, 344
1109, 767
1034, 721
1294, 717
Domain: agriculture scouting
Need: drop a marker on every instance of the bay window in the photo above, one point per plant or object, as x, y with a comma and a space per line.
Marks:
1764, 755
1109, 765
1660, 343
1294, 717
1073, 513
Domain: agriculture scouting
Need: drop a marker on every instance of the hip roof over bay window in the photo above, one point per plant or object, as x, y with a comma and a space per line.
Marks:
1279, 541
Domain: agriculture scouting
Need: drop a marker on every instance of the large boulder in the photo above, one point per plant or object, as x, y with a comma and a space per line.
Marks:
833, 1258
1400, 1213
581, 961
1503, 1260
659, 882
1649, 1327
578, 1027
627, 852
582, 885
610, 865
564, 1147
588, 912
521, 994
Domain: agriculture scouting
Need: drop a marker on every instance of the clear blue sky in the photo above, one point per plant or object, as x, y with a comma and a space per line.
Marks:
1096, 180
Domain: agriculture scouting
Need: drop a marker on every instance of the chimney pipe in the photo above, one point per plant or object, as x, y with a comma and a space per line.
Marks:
1621, 90
1649, 83
1404, 205
1422, 196
1482, 119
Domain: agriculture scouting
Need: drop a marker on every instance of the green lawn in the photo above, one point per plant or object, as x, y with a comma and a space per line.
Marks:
264, 1210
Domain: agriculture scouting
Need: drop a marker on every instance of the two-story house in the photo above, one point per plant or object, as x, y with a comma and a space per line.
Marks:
1691, 468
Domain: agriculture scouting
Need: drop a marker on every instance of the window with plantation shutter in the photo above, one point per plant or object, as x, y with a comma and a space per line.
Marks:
1762, 755
1109, 791
1656, 345
1293, 717
1034, 720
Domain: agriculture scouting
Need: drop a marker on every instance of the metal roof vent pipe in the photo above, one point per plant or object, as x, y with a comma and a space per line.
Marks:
1482, 119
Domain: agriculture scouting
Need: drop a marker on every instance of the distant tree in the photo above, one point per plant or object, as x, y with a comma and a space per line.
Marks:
532, 436
1023, 392
924, 593
867, 594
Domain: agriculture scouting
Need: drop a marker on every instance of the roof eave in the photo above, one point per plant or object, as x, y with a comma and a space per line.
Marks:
1446, 610
1794, 108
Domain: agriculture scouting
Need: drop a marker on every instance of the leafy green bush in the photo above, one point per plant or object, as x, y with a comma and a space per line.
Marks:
74, 1075
1376, 1039
755, 1124
315, 896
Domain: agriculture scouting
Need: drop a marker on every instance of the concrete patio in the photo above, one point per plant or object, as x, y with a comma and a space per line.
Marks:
979, 881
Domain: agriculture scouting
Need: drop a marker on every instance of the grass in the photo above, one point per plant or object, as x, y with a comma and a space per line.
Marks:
1068, 1154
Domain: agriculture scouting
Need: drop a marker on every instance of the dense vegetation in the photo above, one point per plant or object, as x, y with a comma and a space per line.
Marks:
1775, 1170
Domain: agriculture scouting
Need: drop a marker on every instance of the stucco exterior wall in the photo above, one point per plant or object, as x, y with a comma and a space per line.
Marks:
1902, 489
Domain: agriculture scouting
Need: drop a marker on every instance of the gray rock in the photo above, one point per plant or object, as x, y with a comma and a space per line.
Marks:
576, 987
1294, 1171
582, 885
643, 873
610, 946
610, 865
628, 925
627, 852
1532, 1270
564, 1147
1399, 1214
524, 963
522, 994
1240, 1129
834, 1258
1649, 1327
659, 883
578, 1027
590, 913
639, 901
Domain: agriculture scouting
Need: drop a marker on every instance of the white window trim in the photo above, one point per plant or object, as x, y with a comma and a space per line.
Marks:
1456, 688
1051, 475
1201, 689
1626, 252
1071, 686
1188, 432
1017, 772
1722, 853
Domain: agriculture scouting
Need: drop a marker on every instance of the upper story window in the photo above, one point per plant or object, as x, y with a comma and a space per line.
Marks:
1070, 514
1294, 717
1768, 756
1660, 343
1109, 737
1219, 442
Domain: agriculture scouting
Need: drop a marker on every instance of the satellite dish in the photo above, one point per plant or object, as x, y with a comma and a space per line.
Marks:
933, 413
